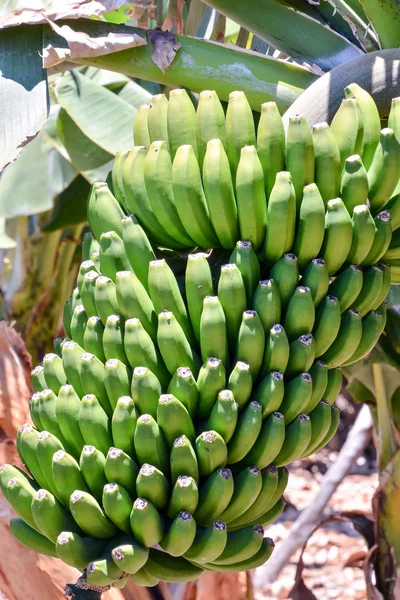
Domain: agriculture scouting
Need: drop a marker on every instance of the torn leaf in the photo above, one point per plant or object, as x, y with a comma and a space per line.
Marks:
165, 47
83, 45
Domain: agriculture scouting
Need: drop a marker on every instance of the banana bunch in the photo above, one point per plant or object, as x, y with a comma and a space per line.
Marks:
164, 421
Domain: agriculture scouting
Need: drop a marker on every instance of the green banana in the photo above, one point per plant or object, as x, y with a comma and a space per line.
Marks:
316, 278
78, 551
211, 380
174, 419
190, 199
270, 480
103, 211
319, 375
335, 416
208, 543
215, 495
93, 338
232, 297
76, 299
117, 504
34, 410
20, 493
385, 285
239, 127
170, 568
137, 247
354, 183
89, 245
271, 143
85, 267
251, 342
281, 219
174, 346
87, 293
181, 121
31, 539
297, 396
269, 393
129, 555
393, 251
184, 387
140, 126
50, 517
89, 515
71, 354
157, 119
184, 496
117, 181
146, 391
133, 301
297, 438
301, 357
347, 340
372, 327
183, 459
300, 159
384, 172
92, 379
327, 324
347, 286
393, 119
113, 257
363, 235
327, 161
117, 379
92, 463
241, 545
218, 189
198, 282
320, 418
393, 206
241, 382
47, 413
27, 440
113, 339
247, 486
276, 353
165, 295
143, 579
258, 559
348, 128
250, 197
300, 313
333, 386
338, 235
78, 324
157, 176
68, 406
152, 484
267, 302
245, 258
38, 379
382, 239
150, 444
105, 298
95, 258
137, 198
211, 452
180, 536
94, 424
370, 291
285, 274
121, 468
123, 425
210, 122
224, 416
67, 476
246, 432
370, 118
310, 229
213, 330
141, 351
47, 445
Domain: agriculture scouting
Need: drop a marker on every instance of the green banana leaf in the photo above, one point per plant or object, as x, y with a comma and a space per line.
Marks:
290, 31
201, 64
385, 17
69, 206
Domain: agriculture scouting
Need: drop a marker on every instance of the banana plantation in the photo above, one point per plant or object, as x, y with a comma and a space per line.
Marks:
199, 261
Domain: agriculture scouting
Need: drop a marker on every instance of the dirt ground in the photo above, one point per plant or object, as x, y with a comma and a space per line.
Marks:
332, 557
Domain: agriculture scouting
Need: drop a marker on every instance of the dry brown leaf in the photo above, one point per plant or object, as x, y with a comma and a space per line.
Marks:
372, 592
355, 559
174, 17
41, 10
165, 47
83, 45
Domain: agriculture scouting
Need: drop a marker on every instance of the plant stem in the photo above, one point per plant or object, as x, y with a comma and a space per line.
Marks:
386, 442
78, 594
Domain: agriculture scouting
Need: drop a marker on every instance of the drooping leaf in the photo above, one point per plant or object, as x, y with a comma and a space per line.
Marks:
290, 31
102, 116
70, 205
23, 89
385, 17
